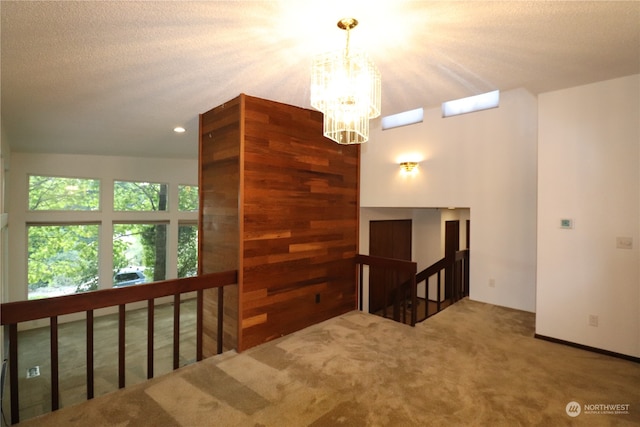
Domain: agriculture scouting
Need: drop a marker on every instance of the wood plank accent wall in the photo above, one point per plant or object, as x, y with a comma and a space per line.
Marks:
298, 210
219, 230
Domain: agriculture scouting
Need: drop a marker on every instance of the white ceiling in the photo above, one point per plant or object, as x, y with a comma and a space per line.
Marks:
115, 78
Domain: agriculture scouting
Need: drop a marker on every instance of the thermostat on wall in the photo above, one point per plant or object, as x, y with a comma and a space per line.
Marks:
566, 223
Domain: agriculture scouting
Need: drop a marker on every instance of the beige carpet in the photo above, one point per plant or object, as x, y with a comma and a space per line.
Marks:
472, 364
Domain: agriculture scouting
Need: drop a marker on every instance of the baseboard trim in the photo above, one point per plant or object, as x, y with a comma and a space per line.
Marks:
589, 348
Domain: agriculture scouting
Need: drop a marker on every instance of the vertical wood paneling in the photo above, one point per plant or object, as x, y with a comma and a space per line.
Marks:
219, 217
295, 194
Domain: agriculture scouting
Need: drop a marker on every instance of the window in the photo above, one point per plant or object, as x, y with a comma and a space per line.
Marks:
139, 196
187, 250
62, 259
63, 194
63, 249
484, 101
188, 200
403, 119
139, 249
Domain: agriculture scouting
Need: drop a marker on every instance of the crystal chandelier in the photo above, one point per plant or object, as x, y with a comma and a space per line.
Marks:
345, 86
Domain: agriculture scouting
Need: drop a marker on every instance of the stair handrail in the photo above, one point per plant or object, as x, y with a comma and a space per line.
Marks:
410, 267
442, 264
461, 256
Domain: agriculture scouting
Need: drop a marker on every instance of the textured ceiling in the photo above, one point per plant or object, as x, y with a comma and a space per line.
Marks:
114, 78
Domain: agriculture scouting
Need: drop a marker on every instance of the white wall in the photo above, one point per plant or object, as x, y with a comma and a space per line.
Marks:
484, 161
589, 156
107, 169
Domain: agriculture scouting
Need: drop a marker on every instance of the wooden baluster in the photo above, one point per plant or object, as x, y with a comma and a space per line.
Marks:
414, 298
55, 386
176, 331
13, 372
361, 266
90, 385
220, 318
199, 324
454, 285
150, 328
23, 311
466, 274
386, 294
396, 301
458, 280
121, 345
439, 293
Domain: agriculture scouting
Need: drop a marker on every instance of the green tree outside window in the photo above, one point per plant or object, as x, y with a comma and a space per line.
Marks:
187, 250
63, 194
61, 259
139, 196
188, 200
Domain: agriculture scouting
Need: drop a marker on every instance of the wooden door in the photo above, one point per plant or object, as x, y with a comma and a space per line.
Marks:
389, 239
451, 246
468, 234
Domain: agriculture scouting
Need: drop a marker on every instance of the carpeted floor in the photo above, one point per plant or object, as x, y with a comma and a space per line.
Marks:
473, 364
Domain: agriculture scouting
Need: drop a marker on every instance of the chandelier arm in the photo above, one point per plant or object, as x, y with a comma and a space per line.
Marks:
348, 36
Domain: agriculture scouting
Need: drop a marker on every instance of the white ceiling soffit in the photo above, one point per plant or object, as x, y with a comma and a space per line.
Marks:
115, 78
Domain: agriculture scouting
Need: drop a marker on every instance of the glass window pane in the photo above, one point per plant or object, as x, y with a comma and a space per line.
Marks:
63, 259
188, 198
139, 250
187, 250
63, 194
139, 196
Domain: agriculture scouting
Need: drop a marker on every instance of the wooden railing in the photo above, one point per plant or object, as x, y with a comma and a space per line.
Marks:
399, 302
457, 266
14, 313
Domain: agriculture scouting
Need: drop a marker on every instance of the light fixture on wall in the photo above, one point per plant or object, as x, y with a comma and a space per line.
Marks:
345, 86
409, 167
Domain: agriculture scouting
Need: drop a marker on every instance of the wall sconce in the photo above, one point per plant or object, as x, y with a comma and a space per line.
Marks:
409, 167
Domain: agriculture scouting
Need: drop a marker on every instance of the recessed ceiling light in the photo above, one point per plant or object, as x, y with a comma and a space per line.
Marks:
179, 129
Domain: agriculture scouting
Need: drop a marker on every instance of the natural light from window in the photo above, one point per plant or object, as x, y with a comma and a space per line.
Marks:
139, 250
139, 196
51, 193
470, 104
63, 259
188, 200
63, 252
187, 250
403, 119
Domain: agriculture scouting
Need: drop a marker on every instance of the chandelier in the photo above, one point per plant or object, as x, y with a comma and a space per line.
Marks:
345, 86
